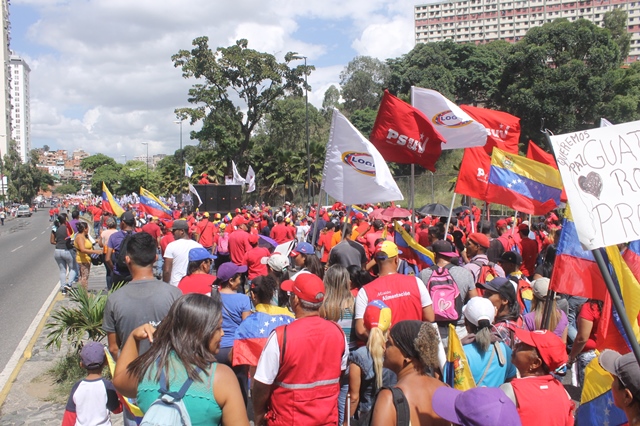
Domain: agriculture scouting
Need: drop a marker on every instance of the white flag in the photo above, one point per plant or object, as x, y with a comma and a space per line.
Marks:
192, 190
455, 125
251, 180
188, 170
237, 178
354, 171
605, 123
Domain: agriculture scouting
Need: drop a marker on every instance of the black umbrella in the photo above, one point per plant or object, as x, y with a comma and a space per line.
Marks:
460, 209
435, 209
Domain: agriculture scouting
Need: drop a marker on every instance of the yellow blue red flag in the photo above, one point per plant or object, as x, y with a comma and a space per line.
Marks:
412, 252
596, 403
457, 372
150, 204
109, 204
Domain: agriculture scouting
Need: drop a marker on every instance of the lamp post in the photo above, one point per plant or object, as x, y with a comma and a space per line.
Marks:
181, 152
146, 182
306, 120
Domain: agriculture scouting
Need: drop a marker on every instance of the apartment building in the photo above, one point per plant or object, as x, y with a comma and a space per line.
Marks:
20, 107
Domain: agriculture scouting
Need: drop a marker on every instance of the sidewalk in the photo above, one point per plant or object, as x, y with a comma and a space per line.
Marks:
29, 401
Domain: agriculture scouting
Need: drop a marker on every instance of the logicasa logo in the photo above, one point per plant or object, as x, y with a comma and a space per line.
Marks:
449, 119
362, 162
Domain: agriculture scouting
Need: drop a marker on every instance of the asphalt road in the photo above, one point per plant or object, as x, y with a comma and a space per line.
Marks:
28, 274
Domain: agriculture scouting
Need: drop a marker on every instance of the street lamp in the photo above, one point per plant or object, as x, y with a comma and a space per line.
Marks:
306, 120
147, 179
181, 153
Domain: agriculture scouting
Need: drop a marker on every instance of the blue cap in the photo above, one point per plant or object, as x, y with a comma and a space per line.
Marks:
303, 248
199, 253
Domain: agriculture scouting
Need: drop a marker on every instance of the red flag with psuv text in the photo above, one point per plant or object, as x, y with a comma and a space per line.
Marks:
404, 135
503, 132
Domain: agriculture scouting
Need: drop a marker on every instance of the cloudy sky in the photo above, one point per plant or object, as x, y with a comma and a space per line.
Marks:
102, 78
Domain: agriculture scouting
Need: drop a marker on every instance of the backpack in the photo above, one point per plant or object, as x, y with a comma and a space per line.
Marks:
119, 255
524, 293
168, 409
403, 412
447, 303
487, 273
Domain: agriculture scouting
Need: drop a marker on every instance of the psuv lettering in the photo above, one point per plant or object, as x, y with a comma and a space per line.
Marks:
395, 138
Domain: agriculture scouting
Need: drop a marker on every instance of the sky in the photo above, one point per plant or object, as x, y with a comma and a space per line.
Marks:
102, 78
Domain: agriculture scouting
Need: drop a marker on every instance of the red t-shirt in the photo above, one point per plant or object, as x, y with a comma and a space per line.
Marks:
325, 241
196, 283
97, 213
152, 229
590, 312
206, 231
280, 233
252, 259
164, 242
238, 246
529, 251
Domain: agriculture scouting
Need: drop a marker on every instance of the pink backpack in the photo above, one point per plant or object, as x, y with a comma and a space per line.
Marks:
447, 303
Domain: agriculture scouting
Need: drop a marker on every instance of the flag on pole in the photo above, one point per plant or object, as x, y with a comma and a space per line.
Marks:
188, 170
237, 178
150, 204
109, 204
251, 180
192, 190
412, 252
405, 135
354, 171
455, 125
523, 184
457, 372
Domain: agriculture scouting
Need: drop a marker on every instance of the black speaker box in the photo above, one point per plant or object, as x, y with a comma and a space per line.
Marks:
219, 198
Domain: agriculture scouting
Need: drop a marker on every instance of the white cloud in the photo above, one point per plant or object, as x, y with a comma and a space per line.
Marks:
102, 76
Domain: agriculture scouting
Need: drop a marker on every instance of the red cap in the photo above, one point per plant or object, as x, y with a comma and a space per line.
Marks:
241, 221
359, 215
238, 210
308, 287
501, 223
480, 239
253, 239
550, 347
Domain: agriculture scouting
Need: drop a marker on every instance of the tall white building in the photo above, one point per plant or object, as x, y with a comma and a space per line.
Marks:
20, 108
482, 21
5, 106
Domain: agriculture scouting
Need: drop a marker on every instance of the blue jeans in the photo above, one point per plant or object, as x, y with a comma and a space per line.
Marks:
342, 397
66, 261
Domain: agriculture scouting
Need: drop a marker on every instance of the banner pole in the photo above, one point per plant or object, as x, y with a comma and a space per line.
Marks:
446, 230
315, 222
412, 201
346, 218
617, 303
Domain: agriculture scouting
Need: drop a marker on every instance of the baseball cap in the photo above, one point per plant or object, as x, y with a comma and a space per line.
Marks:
551, 348
308, 287
181, 225
386, 250
128, 217
92, 355
217, 216
444, 248
377, 315
199, 253
475, 407
241, 220
523, 227
205, 214
302, 248
223, 226
479, 308
359, 215
540, 288
253, 238
480, 239
511, 257
501, 223
227, 270
277, 262
624, 367
502, 286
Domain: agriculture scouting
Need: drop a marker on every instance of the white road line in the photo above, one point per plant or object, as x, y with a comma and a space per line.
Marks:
17, 354
34, 238
43, 232
17, 248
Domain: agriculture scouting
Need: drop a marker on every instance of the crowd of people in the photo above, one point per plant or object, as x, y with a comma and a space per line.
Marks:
345, 327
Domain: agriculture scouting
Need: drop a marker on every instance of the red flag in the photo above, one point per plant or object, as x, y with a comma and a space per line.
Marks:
405, 135
536, 153
503, 131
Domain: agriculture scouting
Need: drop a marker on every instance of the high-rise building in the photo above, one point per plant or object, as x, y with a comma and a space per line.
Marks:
5, 106
20, 108
482, 21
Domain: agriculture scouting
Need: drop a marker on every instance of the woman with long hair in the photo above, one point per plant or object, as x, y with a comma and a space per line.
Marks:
488, 356
501, 293
184, 346
359, 278
278, 268
63, 254
558, 322
412, 353
84, 250
304, 257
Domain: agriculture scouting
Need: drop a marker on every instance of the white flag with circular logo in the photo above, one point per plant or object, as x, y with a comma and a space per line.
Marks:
455, 125
354, 171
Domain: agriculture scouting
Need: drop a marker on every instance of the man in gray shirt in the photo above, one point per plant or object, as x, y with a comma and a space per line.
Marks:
444, 252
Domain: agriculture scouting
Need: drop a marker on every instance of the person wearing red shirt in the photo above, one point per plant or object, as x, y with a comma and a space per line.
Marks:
239, 242
279, 232
152, 228
205, 231
198, 279
253, 258
324, 242
167, 237
422, 235
204, 180
360, 227
528, 250
372, 237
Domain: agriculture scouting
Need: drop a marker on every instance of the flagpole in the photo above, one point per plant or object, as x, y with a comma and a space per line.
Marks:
617, 303
446, 230
412, 195
346, 218
315, 222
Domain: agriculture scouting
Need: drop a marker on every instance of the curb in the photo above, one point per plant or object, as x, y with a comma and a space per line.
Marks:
24, 350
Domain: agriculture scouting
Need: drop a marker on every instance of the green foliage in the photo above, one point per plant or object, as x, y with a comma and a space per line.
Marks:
93, 162
364, 120
68, 188
362, 82
80, 321
107, 173
24, 179
615, 21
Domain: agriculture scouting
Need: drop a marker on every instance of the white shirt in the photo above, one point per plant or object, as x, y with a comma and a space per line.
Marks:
178, 250
362, 300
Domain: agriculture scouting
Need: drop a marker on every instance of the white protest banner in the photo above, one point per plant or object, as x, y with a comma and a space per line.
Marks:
600, 173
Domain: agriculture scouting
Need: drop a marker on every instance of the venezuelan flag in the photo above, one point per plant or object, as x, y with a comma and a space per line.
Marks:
596, 403
457, 372
523, 184
412, 252
126, 402
109, 204
252, 334
150, 204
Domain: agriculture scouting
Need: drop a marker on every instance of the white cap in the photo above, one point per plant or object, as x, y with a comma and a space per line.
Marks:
479, 308
277, 262
540, 288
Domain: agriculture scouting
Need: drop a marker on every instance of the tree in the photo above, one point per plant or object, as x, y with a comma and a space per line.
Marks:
364, 120
256, 78
616, 22
68, 188
24, 179
363, 81
107, 173
331, 99
45, 148
93, 162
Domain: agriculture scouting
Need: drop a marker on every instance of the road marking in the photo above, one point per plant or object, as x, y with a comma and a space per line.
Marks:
43, 232
17, 248
34, 238
23, 351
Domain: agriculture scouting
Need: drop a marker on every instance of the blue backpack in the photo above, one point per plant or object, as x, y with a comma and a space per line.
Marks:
168, 409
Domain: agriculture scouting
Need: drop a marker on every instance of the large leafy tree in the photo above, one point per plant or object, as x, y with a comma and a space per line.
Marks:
615, 21
109, 174
225, 75
362, 82
92, 162
24, 179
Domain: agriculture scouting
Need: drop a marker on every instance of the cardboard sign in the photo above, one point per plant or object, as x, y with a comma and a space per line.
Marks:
600, 170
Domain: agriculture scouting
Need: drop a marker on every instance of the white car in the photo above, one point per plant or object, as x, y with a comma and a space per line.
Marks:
23, 210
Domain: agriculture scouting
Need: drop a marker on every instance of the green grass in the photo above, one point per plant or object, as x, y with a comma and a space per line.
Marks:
64, 374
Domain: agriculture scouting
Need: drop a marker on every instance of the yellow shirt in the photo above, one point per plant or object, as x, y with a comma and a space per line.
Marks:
83, 257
